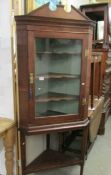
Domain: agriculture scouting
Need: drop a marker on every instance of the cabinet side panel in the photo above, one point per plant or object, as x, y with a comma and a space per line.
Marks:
22, 76
86, 72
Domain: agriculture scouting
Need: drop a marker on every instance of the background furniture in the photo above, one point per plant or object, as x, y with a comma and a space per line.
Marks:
100, 12
7, 132
96, 100
96, 79
95, 107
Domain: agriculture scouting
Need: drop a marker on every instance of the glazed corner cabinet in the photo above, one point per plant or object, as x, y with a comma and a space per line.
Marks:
54, 58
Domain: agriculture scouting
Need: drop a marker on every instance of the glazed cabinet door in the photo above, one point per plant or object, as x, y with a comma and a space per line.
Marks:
57, 78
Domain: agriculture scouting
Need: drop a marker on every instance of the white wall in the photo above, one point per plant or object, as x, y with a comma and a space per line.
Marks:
77, 3
6, 88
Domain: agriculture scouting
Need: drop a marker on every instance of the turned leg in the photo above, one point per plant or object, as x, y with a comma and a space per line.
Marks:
9, 139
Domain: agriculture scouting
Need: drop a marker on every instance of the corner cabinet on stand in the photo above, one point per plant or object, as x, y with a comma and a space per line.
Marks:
54, 51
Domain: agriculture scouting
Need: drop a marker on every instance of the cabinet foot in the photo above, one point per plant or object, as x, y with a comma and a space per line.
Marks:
81, 169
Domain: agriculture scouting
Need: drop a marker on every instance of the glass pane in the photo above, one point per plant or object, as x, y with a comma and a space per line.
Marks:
57, 76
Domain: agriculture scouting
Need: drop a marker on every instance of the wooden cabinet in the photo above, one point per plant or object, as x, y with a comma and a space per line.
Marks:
100, 13
96, 78
54, 57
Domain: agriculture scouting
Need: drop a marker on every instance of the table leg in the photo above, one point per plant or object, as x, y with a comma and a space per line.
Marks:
9, 139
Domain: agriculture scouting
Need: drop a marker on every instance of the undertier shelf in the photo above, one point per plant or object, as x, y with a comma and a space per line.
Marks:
50, 159
55, 97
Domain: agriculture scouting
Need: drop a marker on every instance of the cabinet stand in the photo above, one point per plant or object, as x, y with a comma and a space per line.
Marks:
50, 159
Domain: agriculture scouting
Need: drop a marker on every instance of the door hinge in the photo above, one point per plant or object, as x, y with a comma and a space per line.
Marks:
86, 52
31, 78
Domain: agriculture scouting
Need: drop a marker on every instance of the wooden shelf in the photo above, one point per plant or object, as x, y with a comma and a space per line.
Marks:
57, 76
60, 52
50, 159
55, 97
50, 113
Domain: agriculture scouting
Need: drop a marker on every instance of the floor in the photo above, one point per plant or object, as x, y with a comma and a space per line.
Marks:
99, 158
